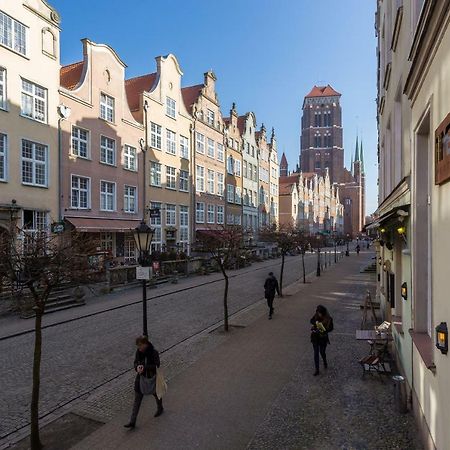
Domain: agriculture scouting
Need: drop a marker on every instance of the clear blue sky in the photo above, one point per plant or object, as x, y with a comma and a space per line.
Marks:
267, 54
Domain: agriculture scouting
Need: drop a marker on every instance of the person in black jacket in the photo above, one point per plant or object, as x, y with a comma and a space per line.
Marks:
146, 361
270, 287
322, 324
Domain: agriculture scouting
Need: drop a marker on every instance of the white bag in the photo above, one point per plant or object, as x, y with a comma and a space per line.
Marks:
161, 385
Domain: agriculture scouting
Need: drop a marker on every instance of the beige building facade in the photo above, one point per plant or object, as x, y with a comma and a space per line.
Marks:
274, 175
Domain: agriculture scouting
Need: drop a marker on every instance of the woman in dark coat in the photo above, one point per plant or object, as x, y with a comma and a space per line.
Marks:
146, 361
322, 324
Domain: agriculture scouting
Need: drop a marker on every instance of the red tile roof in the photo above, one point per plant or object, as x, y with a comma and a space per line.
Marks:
285, 189
134, 87
283, 160
323, 91
241, 123
70, 75
308, 174
289, 179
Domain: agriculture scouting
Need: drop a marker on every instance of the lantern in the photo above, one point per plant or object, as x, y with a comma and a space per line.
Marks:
442, 337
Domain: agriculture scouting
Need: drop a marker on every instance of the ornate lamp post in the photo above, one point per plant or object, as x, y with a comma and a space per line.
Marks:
143, 236
347, 251
318, 255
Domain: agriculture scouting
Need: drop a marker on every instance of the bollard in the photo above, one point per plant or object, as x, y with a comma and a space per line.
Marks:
400, 394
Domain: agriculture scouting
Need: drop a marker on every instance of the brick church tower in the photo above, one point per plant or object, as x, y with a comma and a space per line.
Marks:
284, 167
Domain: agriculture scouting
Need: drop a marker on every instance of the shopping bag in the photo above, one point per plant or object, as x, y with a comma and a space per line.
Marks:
161, 385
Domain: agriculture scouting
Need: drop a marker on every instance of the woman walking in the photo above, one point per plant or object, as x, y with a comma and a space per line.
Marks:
146, 361
322, 324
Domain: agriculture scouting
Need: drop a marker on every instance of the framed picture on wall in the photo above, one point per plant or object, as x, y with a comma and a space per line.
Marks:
442, 152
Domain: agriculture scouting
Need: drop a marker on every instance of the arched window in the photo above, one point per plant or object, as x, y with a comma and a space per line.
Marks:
48, 42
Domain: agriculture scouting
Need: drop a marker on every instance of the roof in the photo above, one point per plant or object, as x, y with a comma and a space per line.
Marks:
135, 86
285, 188
190, 95
227, 120
283, 161
289, 179
241, 123
70, 75
308, 174
323, 91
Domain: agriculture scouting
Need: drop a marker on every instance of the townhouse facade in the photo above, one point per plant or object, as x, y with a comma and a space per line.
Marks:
413, 215
29, 115
264, 178
274, 174
102, 187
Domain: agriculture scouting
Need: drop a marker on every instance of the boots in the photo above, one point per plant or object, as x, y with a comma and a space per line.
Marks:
160, 408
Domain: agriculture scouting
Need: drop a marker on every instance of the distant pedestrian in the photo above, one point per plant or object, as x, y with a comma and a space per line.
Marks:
322, 324
146, 361
270, 287
358, 249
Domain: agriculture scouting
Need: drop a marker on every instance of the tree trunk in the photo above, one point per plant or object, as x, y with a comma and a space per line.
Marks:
281, 274
35, 440
303, 265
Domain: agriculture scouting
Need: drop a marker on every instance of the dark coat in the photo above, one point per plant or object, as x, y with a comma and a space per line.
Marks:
270, 287
316, 334
150, 360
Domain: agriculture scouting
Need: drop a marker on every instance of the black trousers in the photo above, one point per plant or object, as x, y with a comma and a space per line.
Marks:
270, 303
320, 347
137, 404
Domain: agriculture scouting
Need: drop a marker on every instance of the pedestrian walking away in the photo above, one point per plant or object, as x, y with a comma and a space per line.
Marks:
358, 248
270, 287
146, 363
322, 324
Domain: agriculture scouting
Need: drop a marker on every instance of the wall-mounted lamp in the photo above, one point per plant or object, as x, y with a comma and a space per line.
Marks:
442, 337
401, 230
382, 230
404, 291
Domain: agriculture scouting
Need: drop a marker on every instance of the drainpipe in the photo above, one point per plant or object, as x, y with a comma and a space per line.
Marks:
144, 147
64, 114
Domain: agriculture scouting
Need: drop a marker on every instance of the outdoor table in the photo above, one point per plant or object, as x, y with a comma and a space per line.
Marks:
372, 335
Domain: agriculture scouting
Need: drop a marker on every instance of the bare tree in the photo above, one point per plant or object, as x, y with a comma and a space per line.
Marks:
34, 265
225, 246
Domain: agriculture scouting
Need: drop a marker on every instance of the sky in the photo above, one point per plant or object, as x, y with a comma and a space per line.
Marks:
266, 54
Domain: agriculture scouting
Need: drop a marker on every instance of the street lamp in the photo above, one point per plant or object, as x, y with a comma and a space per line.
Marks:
143, 236
318, 256
347, 252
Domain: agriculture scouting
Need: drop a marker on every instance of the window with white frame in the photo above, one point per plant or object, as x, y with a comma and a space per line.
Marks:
13, 34
249, 171
171, 143
211, 181
184, 224
129, 249
80, 197
130, 157
200, 143
171, 107
107, 150
107, 196
155, 223
171, 215
238, 196
200, 178
34, 163
230, 165
220, 183
220, 154
106, 241
129, 199
34, 101
220, 214
200, 212
237, 168
3, 157
80, 142
184, 180
210, 214
171, 177
230, 193
245, 197
210, 148
230, 219
210, 117
106, 107
33, 222
244, 169
155, 136
2, 88
155, 174
237, 219
184, 147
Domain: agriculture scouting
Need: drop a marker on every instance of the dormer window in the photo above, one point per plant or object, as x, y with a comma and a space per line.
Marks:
171, 107
106, 107
210, 117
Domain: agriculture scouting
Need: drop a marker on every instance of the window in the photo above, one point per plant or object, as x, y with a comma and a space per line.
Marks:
327, 119
317, 141
34, 163
210, 214
184, 224
33, 223
200, 212
34, 101
230, 165
80, 142
129, 158
327, 142
129, 250
210, 117
106, 107
200, 179
155, 136
2, 88
171, 145
184, 180
220, 183
230, 219
107, 196
220, 155
255, 173
245, 198
3, 157
244, 169
184, 147
317, 119
171, 178
171, 215
155, 223
220, 214
238, 196
248, 172
211, 180
230, 193
13, 34
317, 165
171, 106
80, 194
210, 148
106, 241
200, 143
155, 174
129, 199
107, 150
237, 168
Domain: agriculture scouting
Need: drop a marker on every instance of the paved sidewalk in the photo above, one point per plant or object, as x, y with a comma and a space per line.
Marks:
256, 389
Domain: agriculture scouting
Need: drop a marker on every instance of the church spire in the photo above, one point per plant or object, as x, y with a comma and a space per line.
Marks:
357, 150
361, 153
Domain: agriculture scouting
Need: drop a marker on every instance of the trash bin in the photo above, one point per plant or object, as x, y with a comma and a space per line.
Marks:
400, 397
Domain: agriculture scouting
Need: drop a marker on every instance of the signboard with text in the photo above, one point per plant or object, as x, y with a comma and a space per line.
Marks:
142, 273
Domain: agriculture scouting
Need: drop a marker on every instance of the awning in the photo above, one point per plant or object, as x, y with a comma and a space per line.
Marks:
92, 225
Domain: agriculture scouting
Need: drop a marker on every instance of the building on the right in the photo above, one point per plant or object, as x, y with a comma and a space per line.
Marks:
413, 216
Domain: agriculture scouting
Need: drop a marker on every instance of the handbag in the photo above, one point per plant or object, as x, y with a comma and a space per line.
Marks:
147, 385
